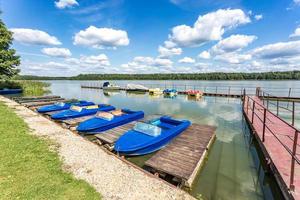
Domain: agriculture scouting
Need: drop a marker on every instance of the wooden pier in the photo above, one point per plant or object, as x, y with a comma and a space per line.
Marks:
181, 159
279, 143
185, 155
230, 95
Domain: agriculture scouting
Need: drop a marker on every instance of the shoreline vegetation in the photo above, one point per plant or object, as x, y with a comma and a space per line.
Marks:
284, 75
29, 87
29, 169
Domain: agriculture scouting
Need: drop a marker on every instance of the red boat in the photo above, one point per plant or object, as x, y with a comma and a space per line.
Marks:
194, 93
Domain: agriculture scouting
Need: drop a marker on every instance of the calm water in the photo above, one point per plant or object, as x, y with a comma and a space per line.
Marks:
233, 169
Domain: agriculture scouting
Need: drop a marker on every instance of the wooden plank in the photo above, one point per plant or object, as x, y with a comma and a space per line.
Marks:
33, 104
34, 97
183, 157
40, 100
75, 121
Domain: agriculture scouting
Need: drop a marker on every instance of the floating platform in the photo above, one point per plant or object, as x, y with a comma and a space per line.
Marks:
184, 156
279, 143
69, 123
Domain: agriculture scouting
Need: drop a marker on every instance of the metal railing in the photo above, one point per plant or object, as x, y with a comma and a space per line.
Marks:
273, 100
256, 110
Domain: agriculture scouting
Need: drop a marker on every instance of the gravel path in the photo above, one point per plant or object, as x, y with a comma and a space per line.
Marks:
111, 177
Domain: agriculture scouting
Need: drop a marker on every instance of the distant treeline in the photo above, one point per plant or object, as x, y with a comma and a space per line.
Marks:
287, 75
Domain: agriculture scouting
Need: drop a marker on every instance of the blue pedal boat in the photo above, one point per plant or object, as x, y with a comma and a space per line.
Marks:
76, 111
138, 142
170, 92
10, 91
98, 123
63, 106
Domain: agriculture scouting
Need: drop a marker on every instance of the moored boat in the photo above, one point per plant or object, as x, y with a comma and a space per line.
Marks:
146, 138
76, 111
10, 91
106, 120
194, 93
136, 88
170, 92
63, 106
155, 91
110, 86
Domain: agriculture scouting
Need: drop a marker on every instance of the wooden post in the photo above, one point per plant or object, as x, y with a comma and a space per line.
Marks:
288, 104
292, 186
229, 90
258, 91
277, 107
293, 113
247, 105
268, 101
243, 99
253, 107
264, 125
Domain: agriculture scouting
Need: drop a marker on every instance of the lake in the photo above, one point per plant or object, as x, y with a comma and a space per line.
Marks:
233, 169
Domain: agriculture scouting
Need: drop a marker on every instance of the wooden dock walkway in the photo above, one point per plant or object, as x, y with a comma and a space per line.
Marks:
279, 143
183, 157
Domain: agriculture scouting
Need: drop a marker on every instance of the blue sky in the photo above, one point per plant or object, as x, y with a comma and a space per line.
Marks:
69, 37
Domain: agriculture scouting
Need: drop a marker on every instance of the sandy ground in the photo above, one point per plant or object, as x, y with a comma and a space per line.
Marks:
111, 177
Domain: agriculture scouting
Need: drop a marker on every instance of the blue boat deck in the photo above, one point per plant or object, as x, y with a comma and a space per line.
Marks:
184, 156
109, 137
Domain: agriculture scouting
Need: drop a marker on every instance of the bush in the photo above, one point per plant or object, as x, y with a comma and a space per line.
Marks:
30, 88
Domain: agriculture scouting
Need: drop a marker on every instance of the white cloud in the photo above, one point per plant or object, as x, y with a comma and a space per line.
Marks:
233, 58
90, 61
204, 55
297, 2
232, 43
152, 61
57, 52
168, 52
33, 36
186, 60
258, 17
277, 50
208, 27
296, 32
61, 4
101, 37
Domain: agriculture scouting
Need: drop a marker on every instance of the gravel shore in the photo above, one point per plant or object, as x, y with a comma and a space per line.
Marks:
111, 177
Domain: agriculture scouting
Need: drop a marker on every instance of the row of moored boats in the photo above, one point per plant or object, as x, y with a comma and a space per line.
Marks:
152, 91
144, 138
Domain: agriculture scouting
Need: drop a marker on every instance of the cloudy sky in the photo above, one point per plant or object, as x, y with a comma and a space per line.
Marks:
69, 37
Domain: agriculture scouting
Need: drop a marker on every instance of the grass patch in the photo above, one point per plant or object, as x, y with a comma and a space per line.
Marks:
30, 88
29, 170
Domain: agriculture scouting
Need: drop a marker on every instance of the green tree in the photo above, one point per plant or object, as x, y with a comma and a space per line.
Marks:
8, 58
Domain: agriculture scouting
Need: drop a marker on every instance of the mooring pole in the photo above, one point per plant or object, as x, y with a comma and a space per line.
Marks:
293, 114
253, 111
277, 107
292, 186
264, 125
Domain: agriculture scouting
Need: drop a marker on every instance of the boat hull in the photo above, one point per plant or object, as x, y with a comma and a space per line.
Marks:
96, 125
129, 145
53, 107
69, 114
11, 91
